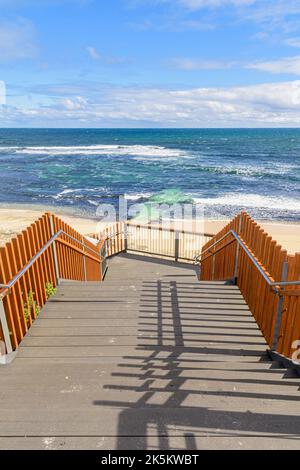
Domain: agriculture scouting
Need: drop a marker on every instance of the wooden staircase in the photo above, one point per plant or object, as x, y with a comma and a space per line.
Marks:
151, 358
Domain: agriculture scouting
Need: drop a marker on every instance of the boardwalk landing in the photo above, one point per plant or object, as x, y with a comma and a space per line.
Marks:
149, 359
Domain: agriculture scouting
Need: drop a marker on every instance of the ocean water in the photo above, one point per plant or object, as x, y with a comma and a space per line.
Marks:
225, 170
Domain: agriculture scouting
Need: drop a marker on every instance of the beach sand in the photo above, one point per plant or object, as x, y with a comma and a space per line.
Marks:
14, 219
285, 233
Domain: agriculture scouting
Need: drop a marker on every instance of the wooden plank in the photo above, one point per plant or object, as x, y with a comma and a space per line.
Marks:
36, 269
23, 286
40, 263
8, 302
15, 293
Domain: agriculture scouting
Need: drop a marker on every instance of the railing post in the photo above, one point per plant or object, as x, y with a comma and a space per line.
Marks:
236, 266
103, 264
5, 330
84, 260
284, 276
54, 251
125, 237
213, 265
176, 248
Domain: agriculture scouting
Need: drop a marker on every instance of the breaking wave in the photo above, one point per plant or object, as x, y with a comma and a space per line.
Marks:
254, 201
134, 150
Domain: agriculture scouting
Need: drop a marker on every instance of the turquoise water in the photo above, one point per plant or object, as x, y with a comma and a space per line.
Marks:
224, 170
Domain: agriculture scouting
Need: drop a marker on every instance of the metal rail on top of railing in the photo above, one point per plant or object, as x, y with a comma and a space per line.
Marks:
168, 229
142, 242
80, 247
5, 288
159, 228
273, 284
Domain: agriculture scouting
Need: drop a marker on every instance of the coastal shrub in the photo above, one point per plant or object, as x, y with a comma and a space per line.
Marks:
50, 290
30, 306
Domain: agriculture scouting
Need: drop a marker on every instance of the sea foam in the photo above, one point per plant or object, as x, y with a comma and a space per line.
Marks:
251, 201
134, 150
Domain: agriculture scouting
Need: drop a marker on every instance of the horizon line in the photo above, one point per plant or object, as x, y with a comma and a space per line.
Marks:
150, 128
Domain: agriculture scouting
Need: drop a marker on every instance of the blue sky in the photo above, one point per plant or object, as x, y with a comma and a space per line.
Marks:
150, 63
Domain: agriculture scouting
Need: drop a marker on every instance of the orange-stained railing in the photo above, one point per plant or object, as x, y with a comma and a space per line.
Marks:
31, 266
267, 276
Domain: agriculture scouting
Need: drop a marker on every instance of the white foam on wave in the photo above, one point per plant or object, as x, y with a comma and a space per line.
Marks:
77, 192
93, 203
251, 170
252, 201
116, 150
137, 196
64, 192
68, 192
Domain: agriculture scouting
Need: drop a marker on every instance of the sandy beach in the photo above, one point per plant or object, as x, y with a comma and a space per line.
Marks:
285, 233
15, 219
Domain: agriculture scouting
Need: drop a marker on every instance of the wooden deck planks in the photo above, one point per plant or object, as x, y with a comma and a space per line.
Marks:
151, 371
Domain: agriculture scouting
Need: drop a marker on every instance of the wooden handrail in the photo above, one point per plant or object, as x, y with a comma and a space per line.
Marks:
5, 288
257, 264
267, 276
78, 250
31, 267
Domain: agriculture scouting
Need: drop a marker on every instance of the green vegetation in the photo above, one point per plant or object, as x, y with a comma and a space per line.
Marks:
50, 290
30, 306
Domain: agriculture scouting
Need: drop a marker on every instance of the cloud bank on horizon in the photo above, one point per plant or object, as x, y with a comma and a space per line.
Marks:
150, 63
265, 105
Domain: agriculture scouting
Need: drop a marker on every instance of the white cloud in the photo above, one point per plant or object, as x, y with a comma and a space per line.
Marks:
275, 18
287, 65
270, 104
260, 35
276, 10
259, 10
173, 24
293, 42
93, 53
74, 104
17, 40
39, 3
2, 92
196, 64
273, 14
188, 25
109, 60
197, 4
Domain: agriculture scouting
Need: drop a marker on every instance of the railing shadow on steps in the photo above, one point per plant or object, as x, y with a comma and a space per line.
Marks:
174, 390
269, 280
